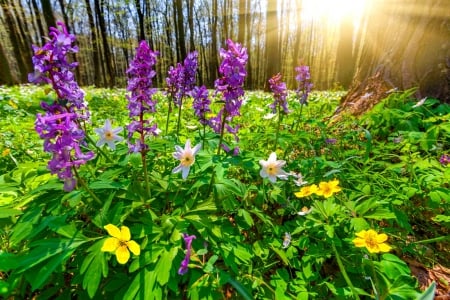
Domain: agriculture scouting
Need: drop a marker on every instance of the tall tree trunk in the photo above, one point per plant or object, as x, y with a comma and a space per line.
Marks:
241, 20
42, 31
190, 5
214, 60
248, 29
47, 10
181, 41
94, 41
272, 41
140, 14
345, 58
64, 13
23, 55
6, 76
99, 5
407, 50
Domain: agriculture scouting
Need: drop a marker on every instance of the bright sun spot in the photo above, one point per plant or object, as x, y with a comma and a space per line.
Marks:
333, 10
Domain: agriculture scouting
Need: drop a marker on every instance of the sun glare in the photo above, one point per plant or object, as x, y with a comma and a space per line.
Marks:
332, 10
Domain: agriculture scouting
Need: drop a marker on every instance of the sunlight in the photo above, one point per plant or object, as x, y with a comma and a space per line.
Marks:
332, 10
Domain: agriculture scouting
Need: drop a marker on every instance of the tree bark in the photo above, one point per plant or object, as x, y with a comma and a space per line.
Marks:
140, 14
107, 53
94, 41
47, 10
6, 76
181, 40
272, 42
408, 49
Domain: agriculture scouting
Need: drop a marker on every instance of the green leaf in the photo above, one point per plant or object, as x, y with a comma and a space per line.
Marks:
240, 289
9, 212
281, 254
429, 293
93, 267
162, 269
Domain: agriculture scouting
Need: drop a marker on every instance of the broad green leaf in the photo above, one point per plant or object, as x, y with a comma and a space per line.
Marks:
164, 265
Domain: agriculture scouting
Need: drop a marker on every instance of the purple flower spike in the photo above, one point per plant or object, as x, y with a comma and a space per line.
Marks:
201, 103
181, 78
303, 78
60, 125
445, 159
184, 264
140, 75
279, 93
230, 84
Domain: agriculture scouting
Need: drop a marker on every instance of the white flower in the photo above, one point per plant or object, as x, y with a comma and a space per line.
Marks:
420, 102
108, 135
299, 179
269, 116
304, 211
286, 240
186, 157
271, 168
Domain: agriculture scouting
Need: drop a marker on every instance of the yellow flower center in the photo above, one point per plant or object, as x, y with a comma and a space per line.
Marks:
272, 170
371, 240
187, 160
109, 135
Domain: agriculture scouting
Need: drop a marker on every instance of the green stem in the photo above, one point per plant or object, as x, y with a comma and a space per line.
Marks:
86, 187
179, 115
299, 117
278, 128
144, 166
343, 271
99, 149
168, 114
222, 129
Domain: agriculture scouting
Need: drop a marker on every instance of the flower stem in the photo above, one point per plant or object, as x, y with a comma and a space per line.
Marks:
299, 117
168, 115
222, 129
179, 115
86, 187
278, 128
343, 271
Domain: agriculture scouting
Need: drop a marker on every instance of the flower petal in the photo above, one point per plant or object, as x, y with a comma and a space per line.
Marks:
125, 233
134, 247
187, 146
177, 168
362, 234
272, 157
196, 149
110, 245
381, 238
359, 242
185, 172
113, 231
384, 247
122, 254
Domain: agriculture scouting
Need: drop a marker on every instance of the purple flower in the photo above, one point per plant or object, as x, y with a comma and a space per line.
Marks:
444, 159
184, 264
303, 79
140, 75
201, 103
181, 78
330, 141
230, 84
60, 125
279, 93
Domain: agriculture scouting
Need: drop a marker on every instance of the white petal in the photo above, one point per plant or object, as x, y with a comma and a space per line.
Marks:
272, 157
101, 142
272, 178
117, 130
177, 169
187, 146
111, 145
107, 125
179, 149
263, 163
196, 149
185, 172
263, 173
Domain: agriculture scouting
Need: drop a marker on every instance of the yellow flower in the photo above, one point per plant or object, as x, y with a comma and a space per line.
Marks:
327, 189
306, 191
373, 241
120, 243
6, 152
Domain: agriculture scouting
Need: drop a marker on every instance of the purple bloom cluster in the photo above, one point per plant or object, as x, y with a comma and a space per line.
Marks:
181, 78
303, 78
184, 264
201, 103
444, 159
140, 74
59, 126
230, 85
279, 90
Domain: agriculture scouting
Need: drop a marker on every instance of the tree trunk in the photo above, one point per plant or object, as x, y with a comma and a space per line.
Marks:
47, 10
272, 42
345, 58
6, 76
107, 53
23, 56
181, 40
190, 5
408, 49
94, 41
214, 60
140, 14
42, 31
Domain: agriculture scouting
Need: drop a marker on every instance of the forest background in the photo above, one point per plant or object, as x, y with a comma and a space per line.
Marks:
405, 42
